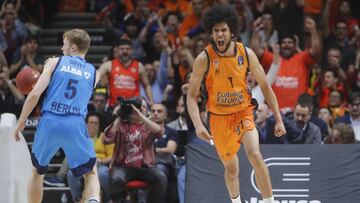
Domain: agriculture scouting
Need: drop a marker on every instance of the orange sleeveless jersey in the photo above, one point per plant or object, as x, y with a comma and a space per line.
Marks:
226, 82
123, 81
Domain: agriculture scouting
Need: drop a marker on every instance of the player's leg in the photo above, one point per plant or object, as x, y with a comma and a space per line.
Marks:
35, 188
91, 186
231, 175
44, 148
250, 141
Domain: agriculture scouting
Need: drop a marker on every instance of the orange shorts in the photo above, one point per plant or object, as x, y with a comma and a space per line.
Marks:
228, 130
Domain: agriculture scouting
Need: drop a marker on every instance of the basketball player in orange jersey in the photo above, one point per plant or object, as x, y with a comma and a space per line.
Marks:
223, 66
125, 75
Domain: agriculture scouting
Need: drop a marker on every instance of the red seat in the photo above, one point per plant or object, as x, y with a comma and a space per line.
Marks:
136, 184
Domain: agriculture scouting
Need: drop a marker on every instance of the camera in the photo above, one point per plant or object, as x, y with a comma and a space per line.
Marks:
126, 109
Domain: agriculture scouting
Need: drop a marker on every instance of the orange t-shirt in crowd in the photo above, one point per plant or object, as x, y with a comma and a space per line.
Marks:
123, 81
190, 22
226, 82
313, 6
293, 77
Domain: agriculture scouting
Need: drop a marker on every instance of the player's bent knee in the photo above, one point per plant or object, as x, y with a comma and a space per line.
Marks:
255, 157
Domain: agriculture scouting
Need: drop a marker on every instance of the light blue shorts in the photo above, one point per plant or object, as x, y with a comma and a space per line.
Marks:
69, 133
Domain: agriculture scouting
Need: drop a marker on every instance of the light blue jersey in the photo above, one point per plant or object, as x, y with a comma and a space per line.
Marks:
62, 124
70, 88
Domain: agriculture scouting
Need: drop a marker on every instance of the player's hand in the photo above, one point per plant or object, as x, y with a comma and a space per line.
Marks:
20, 127
279, 129
203, 134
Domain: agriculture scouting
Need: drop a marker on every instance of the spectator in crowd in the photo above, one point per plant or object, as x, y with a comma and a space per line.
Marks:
341, 134
191, 25
158, 76
295, 67
179, 123
103, 158
165, 148
246, 19
353, 117
325, 115
261, 114
310, 133
134, 155
330, 82
337, 104
132, 33
11, 99
29, 56
98, 105
125, 75
11, 37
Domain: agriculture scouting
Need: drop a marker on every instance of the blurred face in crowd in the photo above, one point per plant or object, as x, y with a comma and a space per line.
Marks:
301, 115
132, 30
8, 21
151, 72
267, 21
158, 113
144, 107
200, 45
180, 108
183, 58
172, 23
336, 137
197, 6
344, 8
10, 7
221, 36
124, 52
329, 79
287, 47
333, 58
262, 113
335, 99
93, 125
99, 102
32, 45
341, 30
157, 40
354, 108
325, 115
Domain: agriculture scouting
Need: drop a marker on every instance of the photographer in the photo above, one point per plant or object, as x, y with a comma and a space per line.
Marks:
134, 157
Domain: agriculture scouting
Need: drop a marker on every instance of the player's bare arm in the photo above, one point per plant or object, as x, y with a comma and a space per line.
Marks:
103, 72
35, 94
269, 95
197, 76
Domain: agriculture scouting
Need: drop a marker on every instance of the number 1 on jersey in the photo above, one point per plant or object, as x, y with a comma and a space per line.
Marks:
231, 82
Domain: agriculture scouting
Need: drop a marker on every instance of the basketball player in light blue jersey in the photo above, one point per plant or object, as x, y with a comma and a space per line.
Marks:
69, 81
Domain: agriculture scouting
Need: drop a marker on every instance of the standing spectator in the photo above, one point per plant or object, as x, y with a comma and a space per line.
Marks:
125, 75
134, 155
353, 117
11, 99
293, 76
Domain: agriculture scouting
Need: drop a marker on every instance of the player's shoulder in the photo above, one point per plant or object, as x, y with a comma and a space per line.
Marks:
202, 57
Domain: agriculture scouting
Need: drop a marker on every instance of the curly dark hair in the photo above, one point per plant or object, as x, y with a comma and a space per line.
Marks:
220, 13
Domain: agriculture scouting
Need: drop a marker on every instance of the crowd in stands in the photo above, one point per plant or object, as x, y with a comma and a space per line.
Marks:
310, 50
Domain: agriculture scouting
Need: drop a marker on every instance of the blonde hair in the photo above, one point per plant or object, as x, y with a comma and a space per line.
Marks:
78, 37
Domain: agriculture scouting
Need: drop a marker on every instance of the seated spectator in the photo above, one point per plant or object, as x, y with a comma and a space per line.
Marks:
353, 117
29, 56
325, 115
98, 104
103, 158
11, 99
337, 104
179, 123
310, 133
165, 148
261, 114
134, 156
342, 134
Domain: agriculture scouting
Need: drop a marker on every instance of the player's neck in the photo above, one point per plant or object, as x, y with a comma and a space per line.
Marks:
78, 54
230, 50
